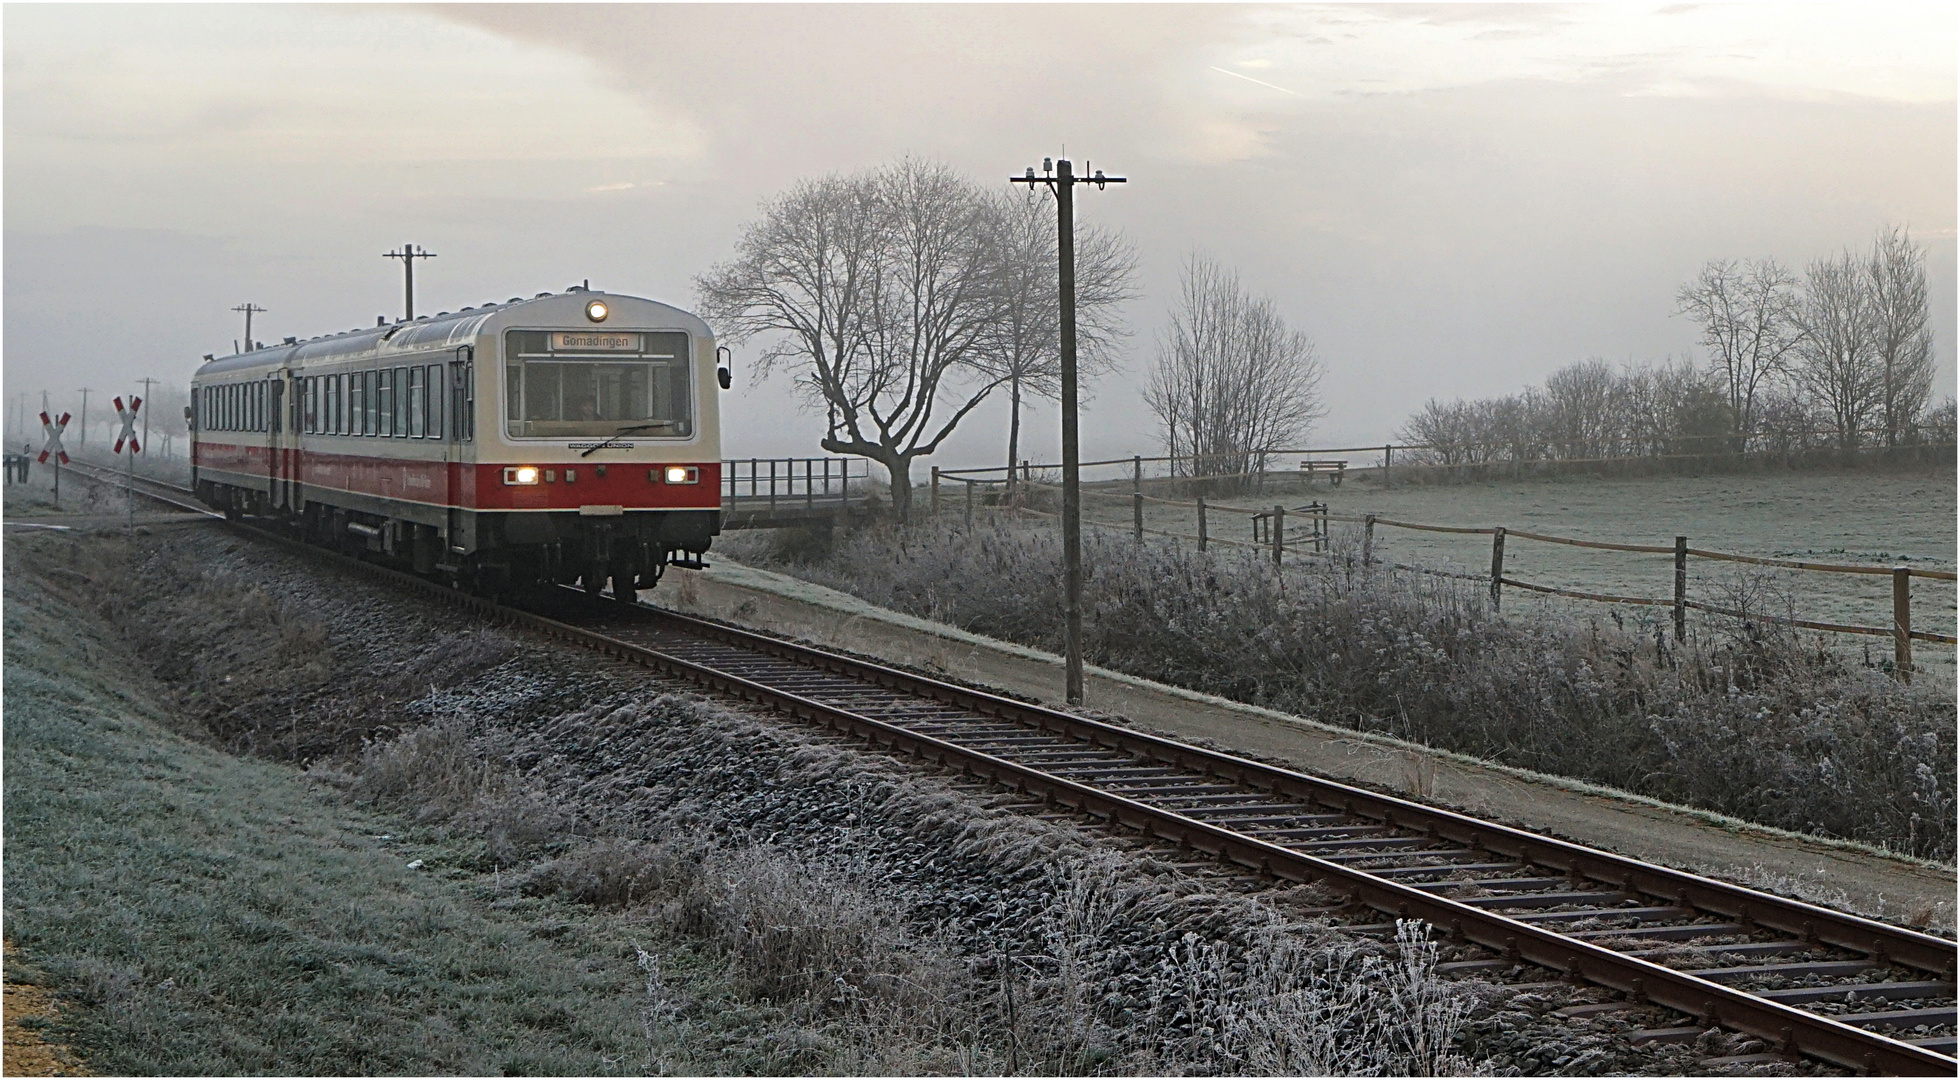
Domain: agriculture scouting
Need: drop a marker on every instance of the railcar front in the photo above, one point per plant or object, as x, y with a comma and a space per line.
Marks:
600, 452
570, 438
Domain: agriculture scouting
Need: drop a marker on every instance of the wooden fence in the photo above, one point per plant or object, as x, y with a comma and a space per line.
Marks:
1270, 533
1489, 458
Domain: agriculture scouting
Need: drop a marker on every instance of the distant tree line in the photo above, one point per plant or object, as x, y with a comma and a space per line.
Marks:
1842, 357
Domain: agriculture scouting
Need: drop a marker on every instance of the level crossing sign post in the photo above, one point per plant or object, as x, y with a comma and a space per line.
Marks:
128, 435
54, 428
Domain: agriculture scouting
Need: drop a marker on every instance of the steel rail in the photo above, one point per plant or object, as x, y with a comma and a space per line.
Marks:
1789, 1029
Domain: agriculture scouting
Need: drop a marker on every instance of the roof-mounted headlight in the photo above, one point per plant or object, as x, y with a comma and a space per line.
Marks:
596, 310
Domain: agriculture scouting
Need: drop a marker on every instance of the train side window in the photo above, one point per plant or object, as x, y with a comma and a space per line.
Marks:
226, 400
418, 398
370, 403
312, 404
384, 403
356, 402
399, 377
467, 418
432, 401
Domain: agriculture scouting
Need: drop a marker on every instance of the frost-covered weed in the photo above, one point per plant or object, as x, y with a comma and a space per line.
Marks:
1745, 718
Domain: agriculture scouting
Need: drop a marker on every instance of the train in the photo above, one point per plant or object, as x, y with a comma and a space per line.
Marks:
572, 438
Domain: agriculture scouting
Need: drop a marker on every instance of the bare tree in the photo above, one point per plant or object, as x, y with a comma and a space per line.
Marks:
1233, 381
1750, 322
1027, 349
1837, 364
1582, 403
1901, 341
1446, 431
881, 291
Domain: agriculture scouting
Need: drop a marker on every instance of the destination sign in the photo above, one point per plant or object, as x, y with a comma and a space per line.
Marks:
589, 340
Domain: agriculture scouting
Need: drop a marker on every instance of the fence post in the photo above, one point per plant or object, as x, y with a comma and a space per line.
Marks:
1680, 589
1201, 523
772, 486
1388, 459
969, 503
1027, 470
1496, 566
809, 489
1368, 541
1902, 622
1279, 533
935, 491
1137, 463
1136, 502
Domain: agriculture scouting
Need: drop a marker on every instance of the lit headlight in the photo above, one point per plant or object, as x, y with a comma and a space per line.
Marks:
521, 474
683, 474
596, 311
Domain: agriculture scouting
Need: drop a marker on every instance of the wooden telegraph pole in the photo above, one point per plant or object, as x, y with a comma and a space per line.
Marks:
249, 309
1060, 178
408, 254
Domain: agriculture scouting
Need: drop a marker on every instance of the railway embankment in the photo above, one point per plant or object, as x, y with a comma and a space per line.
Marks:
1848, 876
269, 817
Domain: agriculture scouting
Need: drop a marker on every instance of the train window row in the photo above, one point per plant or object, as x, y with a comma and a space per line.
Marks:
235, 407
398, 402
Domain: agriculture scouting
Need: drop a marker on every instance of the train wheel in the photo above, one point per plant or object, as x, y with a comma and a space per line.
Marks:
624, 574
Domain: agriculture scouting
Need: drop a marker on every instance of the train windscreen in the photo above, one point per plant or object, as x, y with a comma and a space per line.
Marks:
562, 384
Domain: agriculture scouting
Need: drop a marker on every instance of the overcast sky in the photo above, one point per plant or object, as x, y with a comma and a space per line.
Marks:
1451, 199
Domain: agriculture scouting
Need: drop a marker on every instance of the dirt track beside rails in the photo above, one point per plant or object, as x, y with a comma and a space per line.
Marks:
1842, 875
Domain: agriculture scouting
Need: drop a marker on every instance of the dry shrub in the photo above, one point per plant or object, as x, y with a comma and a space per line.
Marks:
1744, 718
440, 773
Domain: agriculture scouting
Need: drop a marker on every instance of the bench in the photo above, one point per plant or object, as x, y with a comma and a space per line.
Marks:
1334, 470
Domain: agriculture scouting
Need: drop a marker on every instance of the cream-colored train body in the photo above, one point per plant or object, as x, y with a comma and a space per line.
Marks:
570, 437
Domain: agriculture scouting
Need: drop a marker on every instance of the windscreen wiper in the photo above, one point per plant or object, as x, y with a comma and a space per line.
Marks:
628, 430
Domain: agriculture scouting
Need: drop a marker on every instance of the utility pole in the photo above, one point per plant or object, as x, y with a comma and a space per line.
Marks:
147, 383
408, 255
1061, 179
85, 391
248, 308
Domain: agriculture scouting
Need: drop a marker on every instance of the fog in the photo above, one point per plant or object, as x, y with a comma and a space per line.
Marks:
1450, 200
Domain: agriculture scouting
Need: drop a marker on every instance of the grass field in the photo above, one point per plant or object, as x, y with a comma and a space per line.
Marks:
1875, 518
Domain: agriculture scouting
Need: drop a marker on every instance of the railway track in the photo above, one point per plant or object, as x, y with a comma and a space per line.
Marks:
1682, 952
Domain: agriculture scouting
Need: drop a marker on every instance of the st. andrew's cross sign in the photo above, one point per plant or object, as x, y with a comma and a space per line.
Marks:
128, 419
54, 428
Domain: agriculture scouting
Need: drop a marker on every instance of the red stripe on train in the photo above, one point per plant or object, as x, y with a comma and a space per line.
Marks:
475, 486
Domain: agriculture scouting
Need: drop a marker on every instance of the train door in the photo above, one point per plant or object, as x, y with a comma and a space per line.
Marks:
458, 427
275, 472
281, 435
